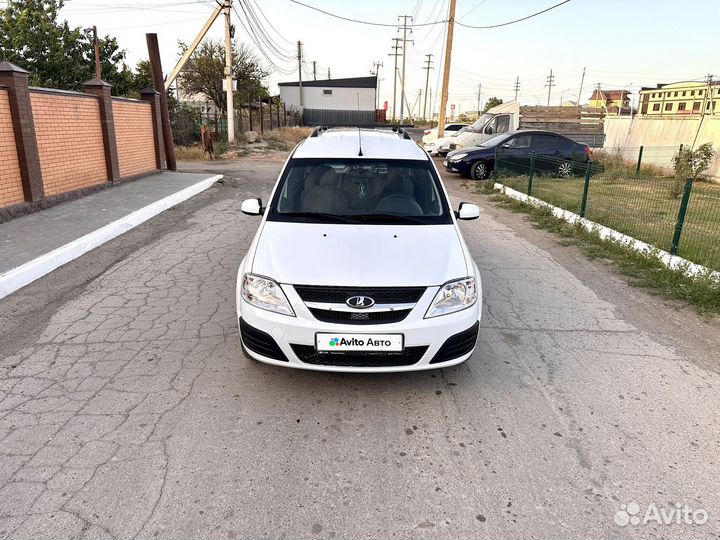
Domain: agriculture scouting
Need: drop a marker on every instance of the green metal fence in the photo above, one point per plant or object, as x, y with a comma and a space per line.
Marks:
631, 190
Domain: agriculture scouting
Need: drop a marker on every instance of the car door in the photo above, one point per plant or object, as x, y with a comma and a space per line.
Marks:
547, 153
514, 154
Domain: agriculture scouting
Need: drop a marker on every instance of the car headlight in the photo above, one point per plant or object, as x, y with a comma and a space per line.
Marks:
266, 294
458, 157
454, 296
458, 146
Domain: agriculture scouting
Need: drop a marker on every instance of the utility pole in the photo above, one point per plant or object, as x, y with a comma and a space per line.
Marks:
314, 70
299, 58
478, 96
446, 69
96, 44
157, 74
708, 94
395, 71
405, 40
582, 80
427, 67
517, 86
550, 84
377, 66
228, 73
328, 74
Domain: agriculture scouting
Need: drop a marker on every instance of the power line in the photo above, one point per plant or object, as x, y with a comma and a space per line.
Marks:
370, 23
514, 21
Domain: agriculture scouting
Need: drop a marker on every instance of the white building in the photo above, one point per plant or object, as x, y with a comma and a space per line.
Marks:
345, 102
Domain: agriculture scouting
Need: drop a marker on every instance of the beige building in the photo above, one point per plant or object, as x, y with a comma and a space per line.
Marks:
681, 99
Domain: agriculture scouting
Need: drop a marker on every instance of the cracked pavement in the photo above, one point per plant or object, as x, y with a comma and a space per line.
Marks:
127, 409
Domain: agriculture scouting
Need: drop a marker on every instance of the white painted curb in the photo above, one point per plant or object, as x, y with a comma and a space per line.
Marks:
673, 262
14, 279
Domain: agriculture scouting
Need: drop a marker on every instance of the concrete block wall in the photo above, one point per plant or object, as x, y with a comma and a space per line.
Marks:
133, 130
56, 145
69, 139
11, 189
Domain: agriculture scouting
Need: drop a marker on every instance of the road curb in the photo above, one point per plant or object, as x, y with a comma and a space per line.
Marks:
18, 277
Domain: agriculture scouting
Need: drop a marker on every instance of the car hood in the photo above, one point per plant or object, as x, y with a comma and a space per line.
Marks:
474, 150
359, 255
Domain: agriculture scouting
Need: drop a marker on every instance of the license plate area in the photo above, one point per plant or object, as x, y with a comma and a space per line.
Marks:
371, 343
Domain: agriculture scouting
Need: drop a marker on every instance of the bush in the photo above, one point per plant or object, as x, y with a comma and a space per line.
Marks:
689, 163
186, 122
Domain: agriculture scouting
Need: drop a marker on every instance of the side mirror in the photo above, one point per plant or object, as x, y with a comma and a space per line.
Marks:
489, 130
252, 207
467, 210
506, 145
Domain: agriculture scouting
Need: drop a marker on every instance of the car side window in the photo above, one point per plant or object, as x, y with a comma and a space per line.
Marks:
521, 141
544, 141
490, 128
503, 124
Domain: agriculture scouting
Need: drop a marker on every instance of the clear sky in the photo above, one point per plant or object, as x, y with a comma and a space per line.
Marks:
621, 43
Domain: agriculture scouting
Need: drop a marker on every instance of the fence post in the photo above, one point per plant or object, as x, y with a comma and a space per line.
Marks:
277, 110
680, 223
495, 164
639, 161
285, 113
532, 173
152, 96
586, 190
23, 125
101, 89
250, 114
270, 114
262, 127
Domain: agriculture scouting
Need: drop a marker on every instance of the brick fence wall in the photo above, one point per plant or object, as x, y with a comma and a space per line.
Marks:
133, 128
70, 141
56, 145
11, 190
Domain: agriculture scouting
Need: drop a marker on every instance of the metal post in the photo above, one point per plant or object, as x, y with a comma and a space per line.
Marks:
586, 190
639, 161
680, 223
285, 113
270, 115
250, 114
277, 110
532, 172
262, 120
495, 163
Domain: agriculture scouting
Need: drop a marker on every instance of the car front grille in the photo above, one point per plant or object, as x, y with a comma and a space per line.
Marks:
410, 356
362, 317
338, 295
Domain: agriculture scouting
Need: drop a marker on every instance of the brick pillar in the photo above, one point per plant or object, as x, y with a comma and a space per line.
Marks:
152, 96
16, 81
101, 89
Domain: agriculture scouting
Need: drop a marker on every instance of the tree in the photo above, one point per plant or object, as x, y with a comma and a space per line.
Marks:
492, 102
56, 55
204, 72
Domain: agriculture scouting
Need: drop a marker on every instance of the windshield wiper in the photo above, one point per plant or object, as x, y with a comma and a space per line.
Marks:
395, 218
320, 217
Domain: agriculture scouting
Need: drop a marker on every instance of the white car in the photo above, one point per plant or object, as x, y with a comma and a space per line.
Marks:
441, 147
430, 135
358, 264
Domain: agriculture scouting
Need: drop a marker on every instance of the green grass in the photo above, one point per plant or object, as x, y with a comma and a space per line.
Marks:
642, 208
643, 269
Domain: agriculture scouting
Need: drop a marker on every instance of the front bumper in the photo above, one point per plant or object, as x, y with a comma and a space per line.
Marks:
424, 339
456, 166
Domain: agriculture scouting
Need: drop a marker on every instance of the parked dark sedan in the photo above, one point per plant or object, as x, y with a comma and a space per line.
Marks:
520, 151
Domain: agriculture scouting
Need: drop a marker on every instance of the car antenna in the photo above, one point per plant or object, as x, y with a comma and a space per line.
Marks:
360, 154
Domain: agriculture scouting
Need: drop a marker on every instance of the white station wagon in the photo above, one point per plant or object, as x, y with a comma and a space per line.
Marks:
358, 264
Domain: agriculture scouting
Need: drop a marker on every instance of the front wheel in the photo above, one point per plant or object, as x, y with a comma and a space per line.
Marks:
479, 170
565, 170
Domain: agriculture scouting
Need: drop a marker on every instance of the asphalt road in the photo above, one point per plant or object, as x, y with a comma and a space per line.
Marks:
127, 409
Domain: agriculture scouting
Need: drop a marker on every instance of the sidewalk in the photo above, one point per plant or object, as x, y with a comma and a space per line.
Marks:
33, 245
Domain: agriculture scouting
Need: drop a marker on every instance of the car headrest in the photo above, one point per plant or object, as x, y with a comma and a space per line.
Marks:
328, 179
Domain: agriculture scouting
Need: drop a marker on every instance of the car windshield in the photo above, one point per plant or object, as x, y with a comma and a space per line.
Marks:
497, 139
352, 191
480, 122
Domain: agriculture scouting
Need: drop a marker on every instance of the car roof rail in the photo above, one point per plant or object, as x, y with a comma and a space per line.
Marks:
318, 130
402, 132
